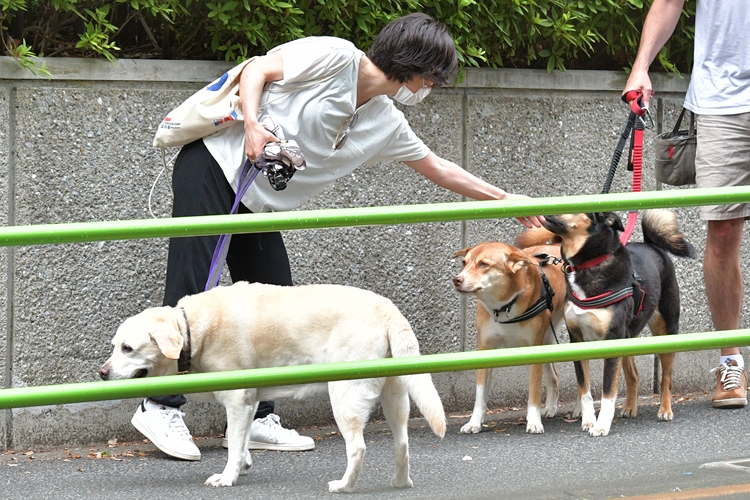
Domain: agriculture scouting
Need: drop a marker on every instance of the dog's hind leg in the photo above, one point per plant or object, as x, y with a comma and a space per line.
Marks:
609, 397
552, 384
665, 396
240, 406
630, 410
474, 425
660, 325
534, 410
395, 402
352, 401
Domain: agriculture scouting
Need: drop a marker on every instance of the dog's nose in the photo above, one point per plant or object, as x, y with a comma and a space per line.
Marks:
458, 280
103, 373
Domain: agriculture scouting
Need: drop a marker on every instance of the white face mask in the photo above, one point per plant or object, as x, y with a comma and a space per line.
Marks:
409, 98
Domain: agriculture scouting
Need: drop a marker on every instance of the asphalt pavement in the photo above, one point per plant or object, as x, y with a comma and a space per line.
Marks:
703, 453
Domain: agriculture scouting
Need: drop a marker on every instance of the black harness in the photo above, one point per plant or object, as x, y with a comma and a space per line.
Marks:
544, 302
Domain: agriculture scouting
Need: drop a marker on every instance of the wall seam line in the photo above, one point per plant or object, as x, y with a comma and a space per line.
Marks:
9, 285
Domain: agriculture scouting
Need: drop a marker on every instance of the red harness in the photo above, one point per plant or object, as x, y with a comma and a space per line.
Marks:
608, 298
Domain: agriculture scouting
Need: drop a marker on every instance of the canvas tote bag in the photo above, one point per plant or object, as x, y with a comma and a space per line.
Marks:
675, 154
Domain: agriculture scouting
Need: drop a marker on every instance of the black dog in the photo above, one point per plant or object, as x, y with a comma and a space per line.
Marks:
613, 292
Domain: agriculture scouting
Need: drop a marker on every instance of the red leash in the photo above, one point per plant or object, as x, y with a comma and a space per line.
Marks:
634, 131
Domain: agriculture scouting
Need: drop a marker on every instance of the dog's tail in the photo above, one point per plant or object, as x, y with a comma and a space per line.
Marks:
536, 236
422, 391
660, 229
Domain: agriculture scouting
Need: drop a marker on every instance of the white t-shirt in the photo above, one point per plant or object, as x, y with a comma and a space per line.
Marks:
311, 103
720, 83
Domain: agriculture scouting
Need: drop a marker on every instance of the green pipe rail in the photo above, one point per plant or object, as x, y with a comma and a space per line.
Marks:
389, 367
366, 216
316, 219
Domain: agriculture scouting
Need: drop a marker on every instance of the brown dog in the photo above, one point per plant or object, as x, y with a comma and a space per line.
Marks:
516, 307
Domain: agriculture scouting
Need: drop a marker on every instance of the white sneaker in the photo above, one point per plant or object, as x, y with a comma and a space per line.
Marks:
166, 429
267, 434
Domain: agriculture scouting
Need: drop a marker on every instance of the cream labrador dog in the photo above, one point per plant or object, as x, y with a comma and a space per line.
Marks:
256, 326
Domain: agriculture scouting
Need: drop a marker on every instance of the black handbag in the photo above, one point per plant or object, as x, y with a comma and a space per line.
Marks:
675, 154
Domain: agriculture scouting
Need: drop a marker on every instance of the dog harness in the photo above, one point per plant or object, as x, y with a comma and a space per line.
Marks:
544, 302
607, 299
183, 362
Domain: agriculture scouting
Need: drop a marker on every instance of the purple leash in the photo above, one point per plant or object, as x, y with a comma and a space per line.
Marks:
247, 176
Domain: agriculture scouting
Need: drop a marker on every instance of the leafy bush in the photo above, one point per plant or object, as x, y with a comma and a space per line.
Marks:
549, 34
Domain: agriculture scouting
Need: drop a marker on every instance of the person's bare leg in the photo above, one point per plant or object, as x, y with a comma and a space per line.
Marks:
724, 291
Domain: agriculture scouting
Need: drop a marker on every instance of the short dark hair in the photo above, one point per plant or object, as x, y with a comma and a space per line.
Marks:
415, 45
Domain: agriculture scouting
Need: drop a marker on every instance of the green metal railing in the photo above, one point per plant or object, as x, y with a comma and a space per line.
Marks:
315, 219
389, 367
367, 216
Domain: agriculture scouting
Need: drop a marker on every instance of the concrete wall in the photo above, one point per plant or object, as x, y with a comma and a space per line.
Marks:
77, 148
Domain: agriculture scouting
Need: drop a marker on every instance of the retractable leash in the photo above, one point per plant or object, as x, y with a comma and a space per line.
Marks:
633, 130
247, 176
278, 162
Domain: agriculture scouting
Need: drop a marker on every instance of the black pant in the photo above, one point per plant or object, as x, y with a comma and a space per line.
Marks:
200, 188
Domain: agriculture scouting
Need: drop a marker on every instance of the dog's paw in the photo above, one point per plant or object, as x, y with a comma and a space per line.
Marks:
586, 426
398, 482
664, 416
629, 412
534, 428
339, 486
218, 480
471, 428
598, 432
549, 412
576, 413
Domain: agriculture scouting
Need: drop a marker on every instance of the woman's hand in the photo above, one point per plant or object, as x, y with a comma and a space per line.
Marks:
256, 138
528, 221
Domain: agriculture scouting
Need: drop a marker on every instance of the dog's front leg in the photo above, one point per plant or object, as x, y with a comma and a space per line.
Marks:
609, 397
585, 400
240, 406
534, 407
480, 403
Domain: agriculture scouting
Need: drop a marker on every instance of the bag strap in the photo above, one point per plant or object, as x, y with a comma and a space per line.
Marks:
678, 123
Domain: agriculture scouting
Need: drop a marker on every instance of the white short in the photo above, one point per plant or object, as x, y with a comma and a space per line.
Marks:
723, 159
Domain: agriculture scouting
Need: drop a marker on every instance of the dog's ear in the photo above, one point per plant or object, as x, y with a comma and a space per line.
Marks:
516, 261
169, 341
461, 253
613, 220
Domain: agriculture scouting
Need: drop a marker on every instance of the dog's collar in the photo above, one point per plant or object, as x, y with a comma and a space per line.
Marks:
570, 268
183, 362
505, 309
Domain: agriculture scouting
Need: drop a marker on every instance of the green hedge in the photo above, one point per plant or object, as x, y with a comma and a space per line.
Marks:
548, 34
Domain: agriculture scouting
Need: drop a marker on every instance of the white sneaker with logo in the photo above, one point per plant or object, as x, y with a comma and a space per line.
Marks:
267, 434
166, 429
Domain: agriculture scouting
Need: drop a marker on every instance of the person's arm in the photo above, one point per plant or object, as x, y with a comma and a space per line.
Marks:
659, 25
255, 75
450, 176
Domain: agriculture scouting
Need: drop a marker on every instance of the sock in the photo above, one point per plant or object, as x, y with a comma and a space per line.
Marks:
733, 357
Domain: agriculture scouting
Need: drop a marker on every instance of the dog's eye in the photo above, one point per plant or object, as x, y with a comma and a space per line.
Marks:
126, 348
483, 264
